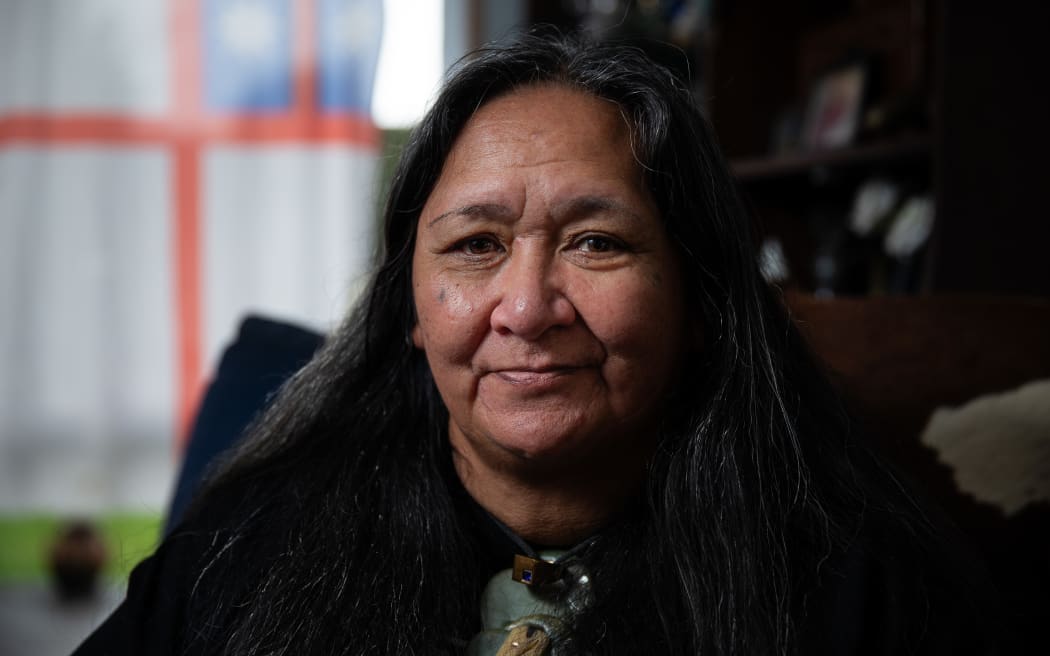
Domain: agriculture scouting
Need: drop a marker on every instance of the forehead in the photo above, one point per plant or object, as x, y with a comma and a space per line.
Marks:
546, 114
542, 138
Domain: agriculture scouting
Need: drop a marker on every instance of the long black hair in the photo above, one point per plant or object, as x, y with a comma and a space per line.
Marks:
340, 533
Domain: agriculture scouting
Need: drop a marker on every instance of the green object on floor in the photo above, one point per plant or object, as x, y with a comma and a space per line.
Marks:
25, 540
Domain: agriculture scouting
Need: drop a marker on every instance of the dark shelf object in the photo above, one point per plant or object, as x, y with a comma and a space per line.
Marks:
898, 148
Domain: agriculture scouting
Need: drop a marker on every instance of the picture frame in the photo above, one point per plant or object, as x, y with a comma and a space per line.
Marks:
835, 108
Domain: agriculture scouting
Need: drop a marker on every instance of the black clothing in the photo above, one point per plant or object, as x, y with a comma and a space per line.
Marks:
863, 606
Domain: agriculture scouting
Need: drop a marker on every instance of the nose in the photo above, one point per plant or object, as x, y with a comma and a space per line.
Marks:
532, 298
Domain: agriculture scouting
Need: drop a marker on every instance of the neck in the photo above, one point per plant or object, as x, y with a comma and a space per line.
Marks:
549, 508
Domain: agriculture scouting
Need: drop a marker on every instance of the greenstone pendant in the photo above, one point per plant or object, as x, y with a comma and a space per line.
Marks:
507, 604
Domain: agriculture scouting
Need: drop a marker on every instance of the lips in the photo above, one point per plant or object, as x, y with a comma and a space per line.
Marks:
534, 376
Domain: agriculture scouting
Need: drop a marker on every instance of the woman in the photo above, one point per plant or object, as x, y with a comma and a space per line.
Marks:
568, 346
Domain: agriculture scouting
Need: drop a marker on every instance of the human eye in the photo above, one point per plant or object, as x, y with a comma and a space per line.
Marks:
478, 246
598, 244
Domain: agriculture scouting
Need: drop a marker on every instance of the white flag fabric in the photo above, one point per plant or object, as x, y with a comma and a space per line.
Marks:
166, 167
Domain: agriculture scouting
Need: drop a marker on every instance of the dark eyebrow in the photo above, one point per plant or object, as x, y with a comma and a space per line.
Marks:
481, 210
583, 205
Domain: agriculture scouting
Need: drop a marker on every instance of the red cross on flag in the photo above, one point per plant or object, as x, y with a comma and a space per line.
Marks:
166, 167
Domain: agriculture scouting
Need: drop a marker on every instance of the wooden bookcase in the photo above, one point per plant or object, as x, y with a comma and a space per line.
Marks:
962, 115
962, 119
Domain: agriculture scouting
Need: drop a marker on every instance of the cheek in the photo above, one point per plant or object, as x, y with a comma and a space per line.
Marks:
641, 328
449, 320
632, 312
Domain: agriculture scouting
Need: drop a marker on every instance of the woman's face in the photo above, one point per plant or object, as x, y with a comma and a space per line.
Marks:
548, 295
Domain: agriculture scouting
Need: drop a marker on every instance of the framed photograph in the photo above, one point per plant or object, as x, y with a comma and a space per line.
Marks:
835, 106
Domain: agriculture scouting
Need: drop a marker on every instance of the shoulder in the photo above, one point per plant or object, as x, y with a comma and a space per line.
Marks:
151, 619
168, 590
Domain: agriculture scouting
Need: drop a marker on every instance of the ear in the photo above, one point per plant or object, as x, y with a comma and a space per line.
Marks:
417, 337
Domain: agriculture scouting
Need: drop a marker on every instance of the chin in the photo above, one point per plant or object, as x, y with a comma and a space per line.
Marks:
541, 448
550, 448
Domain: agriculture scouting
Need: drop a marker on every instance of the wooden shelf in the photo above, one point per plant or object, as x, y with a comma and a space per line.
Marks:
779, 166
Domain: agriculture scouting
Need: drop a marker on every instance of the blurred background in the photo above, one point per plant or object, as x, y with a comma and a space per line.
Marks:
169, 167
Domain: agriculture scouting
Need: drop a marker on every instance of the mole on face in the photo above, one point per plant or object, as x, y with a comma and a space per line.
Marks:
441, 295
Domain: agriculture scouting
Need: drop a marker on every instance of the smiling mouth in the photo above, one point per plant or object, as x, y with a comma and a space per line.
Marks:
534, 376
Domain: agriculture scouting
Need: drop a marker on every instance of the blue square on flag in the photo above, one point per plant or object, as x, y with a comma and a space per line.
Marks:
349, 32
248, 55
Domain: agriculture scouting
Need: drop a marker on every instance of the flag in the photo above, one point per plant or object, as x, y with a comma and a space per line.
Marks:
166, 167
